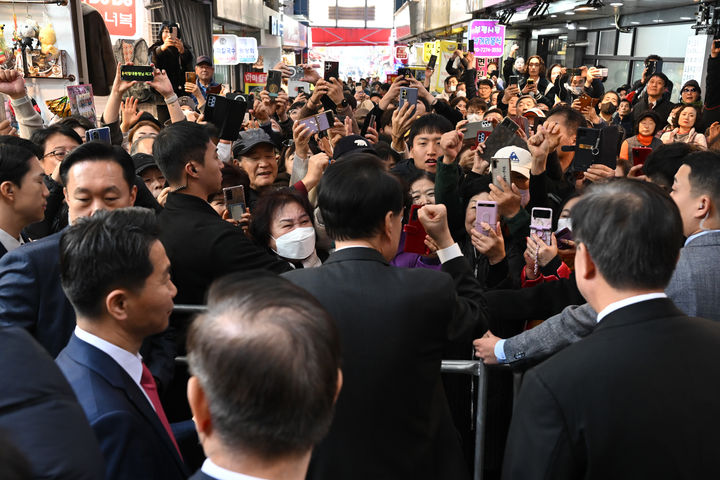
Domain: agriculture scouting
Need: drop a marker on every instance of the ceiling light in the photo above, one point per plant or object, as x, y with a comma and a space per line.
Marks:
616, 4
570, 13
635, 23
590, 6
570, 26
685, 18
553, 16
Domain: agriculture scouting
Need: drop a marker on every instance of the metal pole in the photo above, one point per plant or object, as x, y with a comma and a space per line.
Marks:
481, 373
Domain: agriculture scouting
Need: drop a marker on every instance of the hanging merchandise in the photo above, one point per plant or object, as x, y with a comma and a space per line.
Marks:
59, 106
47, 41
6, 57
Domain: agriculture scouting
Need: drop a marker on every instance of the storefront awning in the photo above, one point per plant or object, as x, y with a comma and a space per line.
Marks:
350, 37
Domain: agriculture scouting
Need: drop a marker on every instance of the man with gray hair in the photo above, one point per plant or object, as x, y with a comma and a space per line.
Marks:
606, 406
265, 365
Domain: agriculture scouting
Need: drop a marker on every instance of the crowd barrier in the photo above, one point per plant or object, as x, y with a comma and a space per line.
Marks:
474, 368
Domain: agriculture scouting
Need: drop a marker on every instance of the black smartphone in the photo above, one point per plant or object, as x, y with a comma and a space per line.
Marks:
141, 73
471, 46
274, 79
234, 119
368, 124
716, 43
513, 80
574, 72
101, 134
431, 63
587, 149
332, 70
216, 109
404, 72
327, 103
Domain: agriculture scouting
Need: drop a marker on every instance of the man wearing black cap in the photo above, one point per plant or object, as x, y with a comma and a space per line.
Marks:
147, 169
352, 144
204, 70
254, 151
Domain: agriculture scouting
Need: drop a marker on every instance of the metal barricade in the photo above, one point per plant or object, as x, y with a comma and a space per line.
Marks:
477, 369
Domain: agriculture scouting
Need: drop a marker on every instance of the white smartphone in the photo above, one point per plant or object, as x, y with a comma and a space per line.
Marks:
541, 223
500, 167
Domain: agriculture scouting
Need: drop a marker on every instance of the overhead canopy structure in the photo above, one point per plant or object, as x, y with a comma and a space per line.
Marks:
350, 37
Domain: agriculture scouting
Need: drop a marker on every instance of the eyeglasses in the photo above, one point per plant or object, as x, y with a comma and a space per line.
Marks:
57, 154
534, 64
689, 89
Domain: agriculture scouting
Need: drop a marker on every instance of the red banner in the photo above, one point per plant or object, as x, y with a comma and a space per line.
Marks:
119, 15
256, 77
350, 37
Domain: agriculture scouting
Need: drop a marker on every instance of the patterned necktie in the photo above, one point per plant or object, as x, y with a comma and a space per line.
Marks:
147, 382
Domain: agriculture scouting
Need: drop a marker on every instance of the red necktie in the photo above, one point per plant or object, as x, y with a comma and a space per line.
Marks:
147, 382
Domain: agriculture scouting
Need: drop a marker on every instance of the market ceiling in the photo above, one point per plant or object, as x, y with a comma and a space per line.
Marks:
565, 10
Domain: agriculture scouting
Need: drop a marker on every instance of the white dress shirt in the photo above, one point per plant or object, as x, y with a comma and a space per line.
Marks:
9, 242
131, 363
627, 302
211, 469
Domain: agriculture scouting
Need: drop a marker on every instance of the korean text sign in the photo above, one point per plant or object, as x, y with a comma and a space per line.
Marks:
489, 38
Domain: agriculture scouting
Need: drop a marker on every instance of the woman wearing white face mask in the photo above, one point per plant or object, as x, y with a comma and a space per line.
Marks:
283, 222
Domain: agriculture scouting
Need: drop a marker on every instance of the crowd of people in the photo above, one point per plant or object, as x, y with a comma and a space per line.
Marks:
360, 255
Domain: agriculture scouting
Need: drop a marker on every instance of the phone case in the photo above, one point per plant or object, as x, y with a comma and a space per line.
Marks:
235, 200
272, 85
415, 234
485, 211
140, 73
541, 223
332, 70
640, 154
500, 167
409, 95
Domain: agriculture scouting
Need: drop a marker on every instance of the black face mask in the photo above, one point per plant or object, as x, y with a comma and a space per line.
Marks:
608, 108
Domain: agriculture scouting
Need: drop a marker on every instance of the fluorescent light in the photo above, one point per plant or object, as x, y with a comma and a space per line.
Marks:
616, 4
570, 13
553, 16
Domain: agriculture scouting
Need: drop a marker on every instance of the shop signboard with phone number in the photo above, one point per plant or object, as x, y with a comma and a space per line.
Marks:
488, 38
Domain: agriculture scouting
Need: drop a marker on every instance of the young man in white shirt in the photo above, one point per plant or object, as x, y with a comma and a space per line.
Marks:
23, 195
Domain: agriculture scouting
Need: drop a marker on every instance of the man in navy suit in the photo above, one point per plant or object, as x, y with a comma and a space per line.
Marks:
608, 405
265, 361
116, 274
39, 413
23, 195
96, 176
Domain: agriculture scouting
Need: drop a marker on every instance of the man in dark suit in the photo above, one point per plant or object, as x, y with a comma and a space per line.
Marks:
116, 274
23, 195
265, 360
392, 419
201, 245
39, 412
606, 406
96, 176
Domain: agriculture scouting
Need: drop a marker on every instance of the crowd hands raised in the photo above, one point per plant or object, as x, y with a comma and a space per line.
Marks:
417, 186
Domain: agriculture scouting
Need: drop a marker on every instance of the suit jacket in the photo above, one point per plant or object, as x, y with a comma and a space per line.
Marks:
693, 289
202, 247
39, 411
392, 420
635, 399
32, 297
131, 436
695, 283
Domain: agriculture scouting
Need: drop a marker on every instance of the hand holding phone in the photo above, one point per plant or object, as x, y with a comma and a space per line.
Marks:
485, 211
235, 201
140, 73
541, 223
640, 154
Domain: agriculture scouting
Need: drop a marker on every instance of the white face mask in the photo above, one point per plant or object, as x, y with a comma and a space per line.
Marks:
296, 245
460, 93
474, 117
524, 197
564, 223
453, 88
